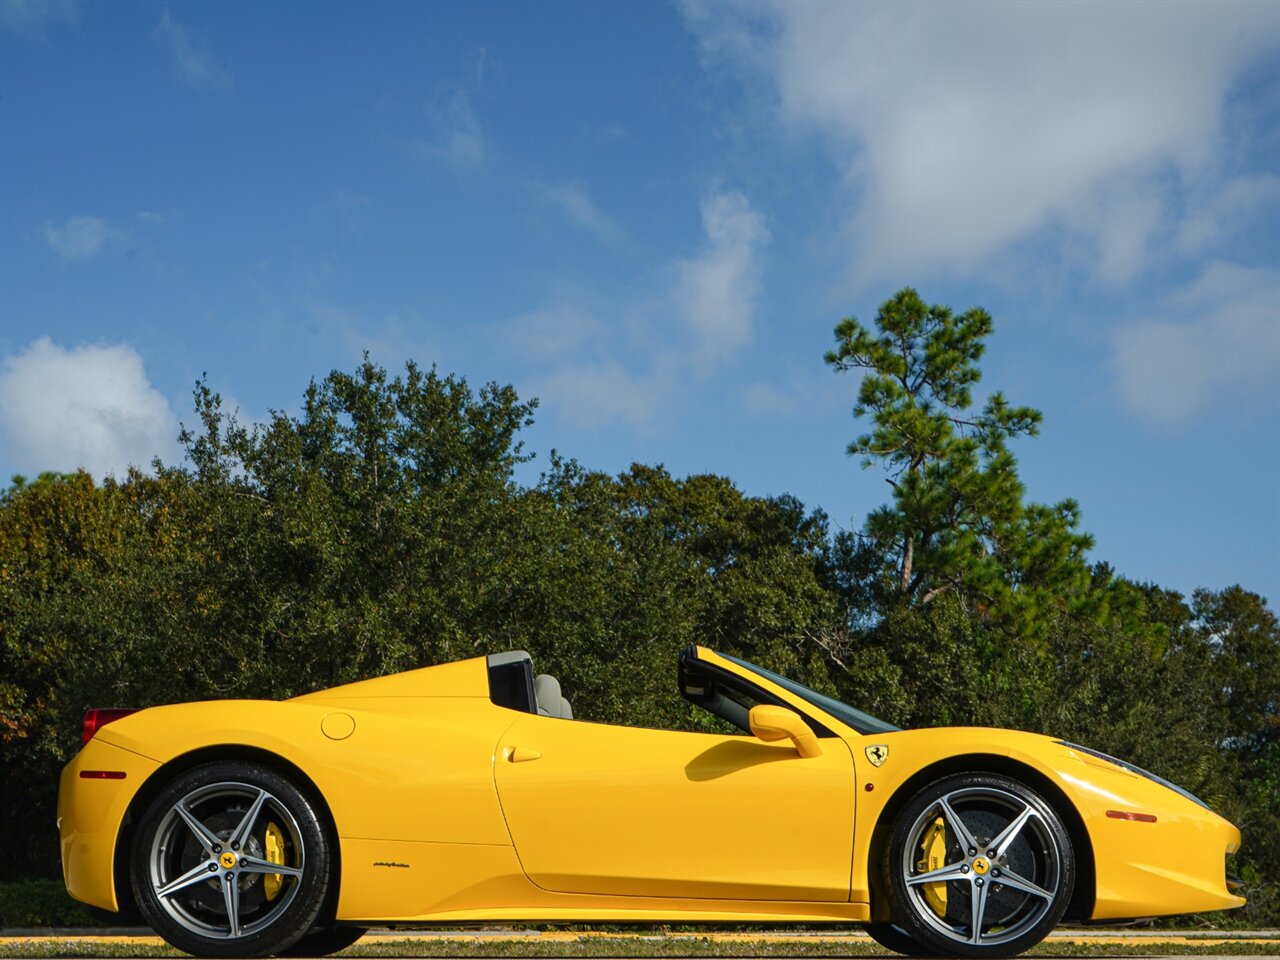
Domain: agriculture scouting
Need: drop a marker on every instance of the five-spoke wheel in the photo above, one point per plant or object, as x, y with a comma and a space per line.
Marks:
230, 859
978, 866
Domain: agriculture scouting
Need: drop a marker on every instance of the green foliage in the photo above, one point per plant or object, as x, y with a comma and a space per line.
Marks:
381, 529
41, 903
957, 522
961, 602
376, 531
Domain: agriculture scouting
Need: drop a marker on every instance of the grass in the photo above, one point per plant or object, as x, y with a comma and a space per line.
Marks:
617, 947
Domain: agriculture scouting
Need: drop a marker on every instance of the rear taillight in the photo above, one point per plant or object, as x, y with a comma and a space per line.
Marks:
96, 718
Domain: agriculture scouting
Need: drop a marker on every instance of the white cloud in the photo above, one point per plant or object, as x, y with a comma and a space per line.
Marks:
717, 290
1215, 344
90, 406
576, 205
794, 390
1114, 226
351, 207
34, 14
559, 331
961, 129
1231, 208
81, 238
396, 337
632, 362
590, 371
193, 67
767, 399
458, 138
459, 141
598, 393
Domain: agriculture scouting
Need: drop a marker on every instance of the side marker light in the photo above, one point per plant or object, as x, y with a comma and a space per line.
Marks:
1130, 815
101, 774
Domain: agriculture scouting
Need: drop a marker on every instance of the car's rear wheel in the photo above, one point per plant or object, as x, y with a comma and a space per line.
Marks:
978, 865
231, 860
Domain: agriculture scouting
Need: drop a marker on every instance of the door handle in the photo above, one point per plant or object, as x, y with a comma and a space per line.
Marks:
522, 754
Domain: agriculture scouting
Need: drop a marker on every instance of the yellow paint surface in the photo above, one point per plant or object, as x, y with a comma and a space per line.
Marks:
452, 809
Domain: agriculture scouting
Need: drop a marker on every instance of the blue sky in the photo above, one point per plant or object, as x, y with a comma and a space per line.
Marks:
651, 216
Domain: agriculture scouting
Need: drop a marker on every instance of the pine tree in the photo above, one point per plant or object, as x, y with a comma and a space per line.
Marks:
957, 521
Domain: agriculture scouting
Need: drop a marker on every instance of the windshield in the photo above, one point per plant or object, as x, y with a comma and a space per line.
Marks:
862, 722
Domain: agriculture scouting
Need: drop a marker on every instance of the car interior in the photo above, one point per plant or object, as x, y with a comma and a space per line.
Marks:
727, 695
513, 685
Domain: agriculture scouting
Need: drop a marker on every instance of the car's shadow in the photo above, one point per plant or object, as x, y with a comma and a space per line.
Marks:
727, 758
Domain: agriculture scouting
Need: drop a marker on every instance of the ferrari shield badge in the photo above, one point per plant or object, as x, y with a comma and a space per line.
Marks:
877, 753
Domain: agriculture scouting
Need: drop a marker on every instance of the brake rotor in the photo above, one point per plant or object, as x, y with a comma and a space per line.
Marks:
209, 896
1002, 901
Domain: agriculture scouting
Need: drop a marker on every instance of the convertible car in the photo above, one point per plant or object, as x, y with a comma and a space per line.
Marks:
467, 792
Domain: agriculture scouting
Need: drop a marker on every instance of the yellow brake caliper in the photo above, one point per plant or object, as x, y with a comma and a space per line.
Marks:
933, 856
273, 847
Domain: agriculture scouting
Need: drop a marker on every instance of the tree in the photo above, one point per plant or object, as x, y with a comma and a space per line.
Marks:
381, 528
86, 600
367, 535
378, 529
1242, 636
956, 522
614, 575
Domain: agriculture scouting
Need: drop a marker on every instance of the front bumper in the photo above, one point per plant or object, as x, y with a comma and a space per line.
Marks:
1174, 864
1184, 872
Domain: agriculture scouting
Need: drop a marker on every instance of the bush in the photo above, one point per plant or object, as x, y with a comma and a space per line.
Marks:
42, 903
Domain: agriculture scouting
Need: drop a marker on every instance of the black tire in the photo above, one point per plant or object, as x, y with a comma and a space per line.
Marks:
1000, 856
322, 941
892, 937
231, 859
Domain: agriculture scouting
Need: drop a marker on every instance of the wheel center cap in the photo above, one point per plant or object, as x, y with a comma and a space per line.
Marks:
981, 865
228, 860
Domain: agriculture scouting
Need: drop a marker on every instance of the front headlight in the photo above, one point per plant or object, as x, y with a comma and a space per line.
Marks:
1138, 770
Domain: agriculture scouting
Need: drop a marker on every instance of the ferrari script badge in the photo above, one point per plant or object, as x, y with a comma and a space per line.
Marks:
877, 753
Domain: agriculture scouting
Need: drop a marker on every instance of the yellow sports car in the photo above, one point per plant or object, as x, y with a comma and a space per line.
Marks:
467, 792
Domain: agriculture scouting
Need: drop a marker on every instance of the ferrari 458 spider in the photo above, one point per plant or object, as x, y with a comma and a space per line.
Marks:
467, 792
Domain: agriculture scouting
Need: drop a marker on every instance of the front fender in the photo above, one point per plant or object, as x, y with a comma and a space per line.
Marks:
1175, 864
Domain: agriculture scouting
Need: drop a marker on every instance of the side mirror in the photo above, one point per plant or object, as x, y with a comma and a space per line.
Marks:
771, 723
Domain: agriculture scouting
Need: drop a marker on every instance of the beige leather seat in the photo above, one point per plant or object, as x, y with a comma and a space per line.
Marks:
546, 691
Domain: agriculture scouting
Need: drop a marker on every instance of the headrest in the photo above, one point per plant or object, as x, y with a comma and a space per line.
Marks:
546, 690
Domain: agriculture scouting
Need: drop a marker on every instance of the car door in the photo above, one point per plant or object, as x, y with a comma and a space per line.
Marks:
600, 809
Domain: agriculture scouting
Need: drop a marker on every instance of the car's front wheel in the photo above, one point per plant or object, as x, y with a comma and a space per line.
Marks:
978, 865
231, 860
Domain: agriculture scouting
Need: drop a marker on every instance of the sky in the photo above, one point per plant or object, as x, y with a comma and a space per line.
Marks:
651, 216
